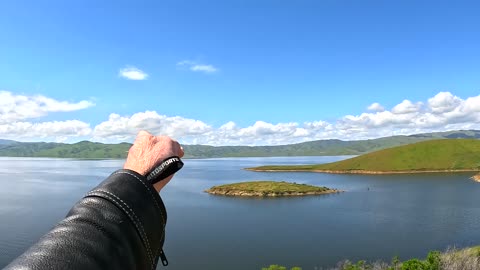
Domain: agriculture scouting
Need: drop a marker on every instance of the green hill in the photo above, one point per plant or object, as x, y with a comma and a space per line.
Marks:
83, 149
323, 147
313, 148
434, 155
86, 149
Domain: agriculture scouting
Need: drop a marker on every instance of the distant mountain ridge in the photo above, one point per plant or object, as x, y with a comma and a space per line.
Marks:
87, 149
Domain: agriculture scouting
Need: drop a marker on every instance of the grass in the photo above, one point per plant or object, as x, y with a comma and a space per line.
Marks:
268, 187
447, 154
453, 259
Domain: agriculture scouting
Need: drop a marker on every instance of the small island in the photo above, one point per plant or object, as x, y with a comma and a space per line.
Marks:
445, 155
269, 189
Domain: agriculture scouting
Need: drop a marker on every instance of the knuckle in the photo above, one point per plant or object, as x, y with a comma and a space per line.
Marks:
163, 138
143, 133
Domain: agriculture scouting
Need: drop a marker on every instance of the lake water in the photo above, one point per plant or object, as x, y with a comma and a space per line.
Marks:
377, 217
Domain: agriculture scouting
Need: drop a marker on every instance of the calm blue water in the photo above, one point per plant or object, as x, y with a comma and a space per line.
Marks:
377, 218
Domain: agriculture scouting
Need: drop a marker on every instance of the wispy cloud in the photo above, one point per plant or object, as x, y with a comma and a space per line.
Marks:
204, 68
197, 67
132, 73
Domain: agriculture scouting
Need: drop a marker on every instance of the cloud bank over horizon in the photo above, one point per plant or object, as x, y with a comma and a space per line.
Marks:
442, 112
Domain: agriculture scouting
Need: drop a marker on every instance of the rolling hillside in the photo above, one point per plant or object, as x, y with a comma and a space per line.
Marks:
433, 155
86, 149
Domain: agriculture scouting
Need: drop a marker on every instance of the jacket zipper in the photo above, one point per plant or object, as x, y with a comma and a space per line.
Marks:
163, 258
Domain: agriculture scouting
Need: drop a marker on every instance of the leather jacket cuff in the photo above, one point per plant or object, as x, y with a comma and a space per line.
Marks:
137, 198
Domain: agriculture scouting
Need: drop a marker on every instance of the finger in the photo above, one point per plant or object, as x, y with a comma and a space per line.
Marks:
182, 152
177, 148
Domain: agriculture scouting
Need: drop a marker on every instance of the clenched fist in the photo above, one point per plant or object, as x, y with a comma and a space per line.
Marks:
148, 151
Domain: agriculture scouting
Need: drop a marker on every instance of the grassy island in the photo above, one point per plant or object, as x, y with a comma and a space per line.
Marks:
451, 155
269, 188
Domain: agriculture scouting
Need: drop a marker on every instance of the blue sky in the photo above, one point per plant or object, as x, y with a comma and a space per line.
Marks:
237, 72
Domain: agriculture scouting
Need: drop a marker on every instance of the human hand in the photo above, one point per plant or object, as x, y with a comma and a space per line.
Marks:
148, 151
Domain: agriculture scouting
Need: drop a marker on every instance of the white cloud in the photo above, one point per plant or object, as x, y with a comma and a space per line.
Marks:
196, 67
443, 102
56, 130
124, 128
407, 107
20, 107
132, 73
444, 111
259, 133
376, 107
121, 128
15, 109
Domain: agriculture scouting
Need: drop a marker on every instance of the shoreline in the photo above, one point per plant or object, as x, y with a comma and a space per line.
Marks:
476, 177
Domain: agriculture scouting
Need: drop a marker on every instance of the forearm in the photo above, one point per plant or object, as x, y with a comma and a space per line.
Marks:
118, 225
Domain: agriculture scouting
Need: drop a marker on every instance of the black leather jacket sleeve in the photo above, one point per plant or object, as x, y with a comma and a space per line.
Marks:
120, 224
